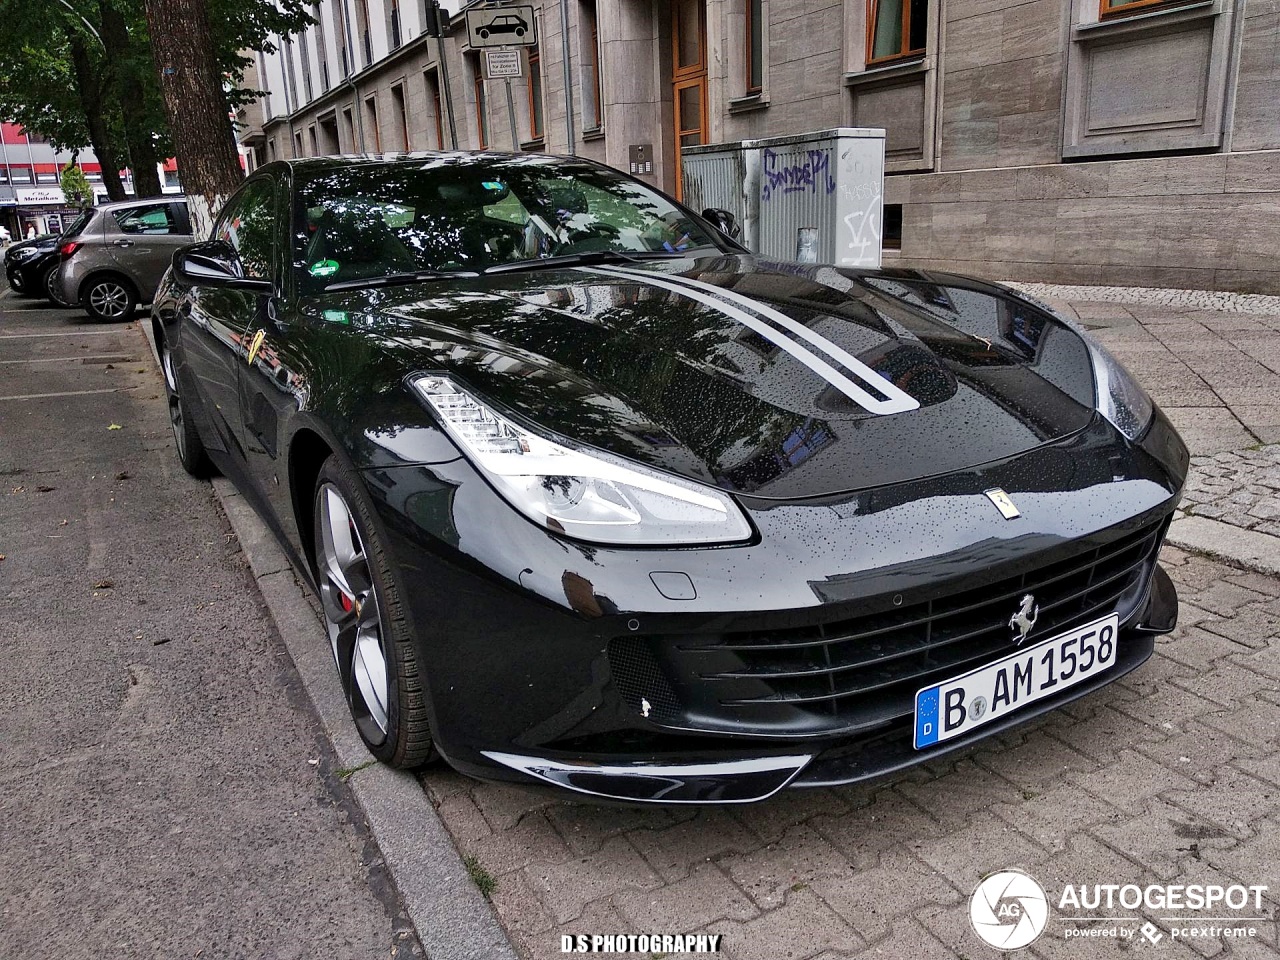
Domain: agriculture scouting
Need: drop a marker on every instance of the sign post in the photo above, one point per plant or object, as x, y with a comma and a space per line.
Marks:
503, 28
506, 64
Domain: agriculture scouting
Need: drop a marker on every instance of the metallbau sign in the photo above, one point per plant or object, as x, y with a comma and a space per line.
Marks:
504, 64
502, 27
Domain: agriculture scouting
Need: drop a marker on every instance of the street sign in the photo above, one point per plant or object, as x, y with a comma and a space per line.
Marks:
504, 64
502, 27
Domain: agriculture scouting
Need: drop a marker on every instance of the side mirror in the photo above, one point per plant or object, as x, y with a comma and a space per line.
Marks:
215, 264
722, 220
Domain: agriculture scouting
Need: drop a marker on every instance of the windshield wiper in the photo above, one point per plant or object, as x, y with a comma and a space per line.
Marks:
395, 279
585, 259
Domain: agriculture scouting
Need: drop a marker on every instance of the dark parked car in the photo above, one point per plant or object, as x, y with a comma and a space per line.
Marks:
591, 496
28, 265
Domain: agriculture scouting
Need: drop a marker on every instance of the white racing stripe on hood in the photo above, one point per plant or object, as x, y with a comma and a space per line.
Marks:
728, 302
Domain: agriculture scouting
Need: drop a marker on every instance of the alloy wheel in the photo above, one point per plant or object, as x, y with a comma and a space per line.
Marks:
176, 417
50, 282
108, 299
353, 614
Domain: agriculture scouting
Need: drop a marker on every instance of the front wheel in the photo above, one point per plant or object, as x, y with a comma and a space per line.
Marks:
368, 626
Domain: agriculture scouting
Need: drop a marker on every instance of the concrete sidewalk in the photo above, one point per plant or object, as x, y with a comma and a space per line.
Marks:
165, 788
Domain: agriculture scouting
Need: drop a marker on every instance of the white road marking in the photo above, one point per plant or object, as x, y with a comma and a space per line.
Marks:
97, 356
49, 396
68, 333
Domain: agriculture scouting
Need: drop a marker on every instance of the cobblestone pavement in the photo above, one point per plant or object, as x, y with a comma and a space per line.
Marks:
1169, 775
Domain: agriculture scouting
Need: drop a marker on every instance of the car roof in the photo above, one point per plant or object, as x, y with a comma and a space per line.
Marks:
314, 165
138, 202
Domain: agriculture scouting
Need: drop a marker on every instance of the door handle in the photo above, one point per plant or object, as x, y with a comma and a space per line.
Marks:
122, 243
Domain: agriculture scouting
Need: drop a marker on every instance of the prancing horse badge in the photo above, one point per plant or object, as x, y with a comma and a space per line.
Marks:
1003, 503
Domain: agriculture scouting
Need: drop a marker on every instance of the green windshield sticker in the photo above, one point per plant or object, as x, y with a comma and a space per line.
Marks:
324, 268
336, 316
493, 185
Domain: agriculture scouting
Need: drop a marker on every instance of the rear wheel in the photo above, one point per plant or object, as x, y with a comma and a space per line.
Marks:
191, 450
368, 626
109, 298
47, 280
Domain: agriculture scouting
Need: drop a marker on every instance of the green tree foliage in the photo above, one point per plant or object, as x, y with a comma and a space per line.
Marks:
81, 72
75, 186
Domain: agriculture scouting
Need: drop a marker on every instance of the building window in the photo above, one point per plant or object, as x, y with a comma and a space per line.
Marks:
896, 29
304, 46
20, 174
171, 178
402, 115
393, 24
755, 46
271, 151
322, 48
437, 107
482, 112
350, 123
1114, 8
593, 95
46, 178
315, 143
535, 94
340, 38
362, 29
371, 119
297, 144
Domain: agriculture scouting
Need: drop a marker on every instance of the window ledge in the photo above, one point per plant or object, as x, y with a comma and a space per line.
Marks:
754, 101
889, 71
538, 143
1126, 23
592, 133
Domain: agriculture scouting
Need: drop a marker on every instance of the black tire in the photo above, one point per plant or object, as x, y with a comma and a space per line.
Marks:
109, 298
398, 732
46, 285
191, 453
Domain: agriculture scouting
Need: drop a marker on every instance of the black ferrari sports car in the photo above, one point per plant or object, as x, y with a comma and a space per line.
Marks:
593, 497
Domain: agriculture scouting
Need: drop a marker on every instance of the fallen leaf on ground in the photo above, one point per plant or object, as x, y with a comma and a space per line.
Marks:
115, 426
103, 585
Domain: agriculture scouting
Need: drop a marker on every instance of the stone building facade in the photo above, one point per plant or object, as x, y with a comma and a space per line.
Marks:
1121, 142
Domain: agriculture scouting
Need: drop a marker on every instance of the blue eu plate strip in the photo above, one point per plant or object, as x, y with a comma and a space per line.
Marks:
926, 717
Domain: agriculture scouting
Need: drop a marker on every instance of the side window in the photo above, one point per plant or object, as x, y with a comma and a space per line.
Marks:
149, 221
181, 218
249, 225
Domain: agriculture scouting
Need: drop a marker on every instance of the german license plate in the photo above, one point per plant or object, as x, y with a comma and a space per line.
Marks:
954, 707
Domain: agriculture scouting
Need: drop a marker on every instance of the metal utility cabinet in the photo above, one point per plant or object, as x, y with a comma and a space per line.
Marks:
814, 197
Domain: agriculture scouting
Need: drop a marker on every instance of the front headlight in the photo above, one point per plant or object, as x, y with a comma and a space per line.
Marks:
1120, 398
584, 493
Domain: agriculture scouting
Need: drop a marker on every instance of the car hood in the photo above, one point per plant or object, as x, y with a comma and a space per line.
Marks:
775, 380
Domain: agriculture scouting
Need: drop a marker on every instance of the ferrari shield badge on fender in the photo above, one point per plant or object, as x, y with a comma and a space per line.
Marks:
1005, 505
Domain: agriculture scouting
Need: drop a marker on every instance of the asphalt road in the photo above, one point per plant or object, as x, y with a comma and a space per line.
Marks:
165, 789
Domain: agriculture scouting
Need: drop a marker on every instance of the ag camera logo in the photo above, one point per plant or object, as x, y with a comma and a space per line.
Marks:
1008, 910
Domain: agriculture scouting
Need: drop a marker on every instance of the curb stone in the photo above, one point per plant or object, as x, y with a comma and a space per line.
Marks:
452, 919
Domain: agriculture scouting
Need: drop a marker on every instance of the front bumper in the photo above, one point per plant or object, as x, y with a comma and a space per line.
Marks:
519, 629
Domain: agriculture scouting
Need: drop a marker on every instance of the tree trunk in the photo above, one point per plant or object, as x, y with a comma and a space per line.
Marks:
128, 89
89, 88
199, 119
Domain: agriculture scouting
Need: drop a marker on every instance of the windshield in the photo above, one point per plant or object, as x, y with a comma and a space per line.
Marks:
77, 226
465, 214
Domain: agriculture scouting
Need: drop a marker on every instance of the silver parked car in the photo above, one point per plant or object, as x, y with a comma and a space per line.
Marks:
115, 261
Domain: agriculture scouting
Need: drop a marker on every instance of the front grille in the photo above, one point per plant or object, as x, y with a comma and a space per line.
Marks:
866, 670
